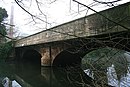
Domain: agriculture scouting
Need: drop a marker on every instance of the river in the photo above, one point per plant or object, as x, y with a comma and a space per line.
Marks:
31, 75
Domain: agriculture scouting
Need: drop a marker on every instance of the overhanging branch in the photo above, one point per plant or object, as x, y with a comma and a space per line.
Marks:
31, 13
102, 15
106, 2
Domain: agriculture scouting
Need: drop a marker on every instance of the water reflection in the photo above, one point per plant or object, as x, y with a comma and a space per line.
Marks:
73, 77
31, 75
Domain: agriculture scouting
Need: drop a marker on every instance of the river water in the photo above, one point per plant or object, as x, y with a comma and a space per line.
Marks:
31, 75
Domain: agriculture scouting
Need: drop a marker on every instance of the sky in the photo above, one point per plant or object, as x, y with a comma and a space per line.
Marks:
56, 13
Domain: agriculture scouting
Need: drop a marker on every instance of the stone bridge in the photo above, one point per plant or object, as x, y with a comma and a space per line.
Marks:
67, 43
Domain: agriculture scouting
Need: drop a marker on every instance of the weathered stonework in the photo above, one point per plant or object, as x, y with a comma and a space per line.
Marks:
45, 60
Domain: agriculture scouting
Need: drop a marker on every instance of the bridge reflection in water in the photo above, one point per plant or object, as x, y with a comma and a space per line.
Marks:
29, 75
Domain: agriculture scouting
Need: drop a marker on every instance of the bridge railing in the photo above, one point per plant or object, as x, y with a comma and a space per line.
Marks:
112, 20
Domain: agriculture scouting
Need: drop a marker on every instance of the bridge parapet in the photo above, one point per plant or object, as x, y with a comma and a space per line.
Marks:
91, 25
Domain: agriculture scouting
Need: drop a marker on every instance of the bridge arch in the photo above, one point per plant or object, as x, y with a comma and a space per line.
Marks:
67, 58
32, 56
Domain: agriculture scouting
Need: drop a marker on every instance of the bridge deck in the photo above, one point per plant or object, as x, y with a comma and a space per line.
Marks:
95, 24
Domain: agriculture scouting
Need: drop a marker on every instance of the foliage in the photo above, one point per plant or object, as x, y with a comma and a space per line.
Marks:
3, 15
4, 47
5, 50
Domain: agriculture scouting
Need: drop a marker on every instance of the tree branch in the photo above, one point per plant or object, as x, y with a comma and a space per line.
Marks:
31, 13
106, 2
7, 24
102, 15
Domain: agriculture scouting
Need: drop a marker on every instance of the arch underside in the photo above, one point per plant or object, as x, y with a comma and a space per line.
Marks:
67, 58
31, 56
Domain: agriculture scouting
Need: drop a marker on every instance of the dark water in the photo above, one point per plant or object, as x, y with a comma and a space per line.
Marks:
31, 75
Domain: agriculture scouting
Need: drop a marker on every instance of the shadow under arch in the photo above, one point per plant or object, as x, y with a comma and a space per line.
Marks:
67, 58
31, 56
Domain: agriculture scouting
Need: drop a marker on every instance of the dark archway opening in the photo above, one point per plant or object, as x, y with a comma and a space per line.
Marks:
66, 58
32, 56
